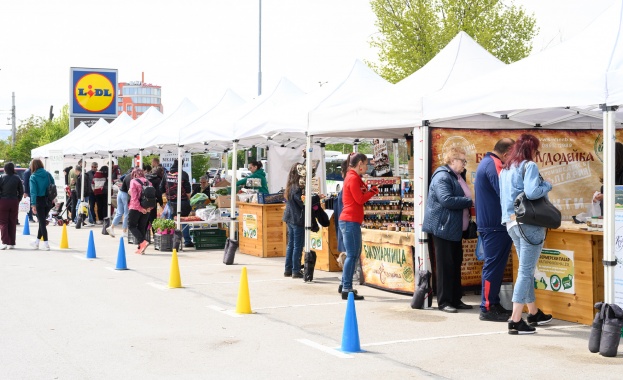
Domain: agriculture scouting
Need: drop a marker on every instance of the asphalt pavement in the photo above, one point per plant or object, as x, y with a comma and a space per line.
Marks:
63, 316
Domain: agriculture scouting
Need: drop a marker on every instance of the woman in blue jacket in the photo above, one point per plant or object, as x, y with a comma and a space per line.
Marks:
40, 180
520, 173
445, 218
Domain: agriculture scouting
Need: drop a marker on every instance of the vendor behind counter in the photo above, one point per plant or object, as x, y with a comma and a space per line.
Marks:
255, 167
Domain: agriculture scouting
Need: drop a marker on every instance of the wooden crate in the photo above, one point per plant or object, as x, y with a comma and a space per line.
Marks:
271, 234
587, 250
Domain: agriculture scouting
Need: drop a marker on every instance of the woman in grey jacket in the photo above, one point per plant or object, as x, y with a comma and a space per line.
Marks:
445, 218
294, 216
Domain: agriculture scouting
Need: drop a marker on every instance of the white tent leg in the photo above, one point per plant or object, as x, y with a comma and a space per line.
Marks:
608, 202
420, 192
140, 158
110, 165
180, 174
84, 171
323, 180
308, 193
234, 163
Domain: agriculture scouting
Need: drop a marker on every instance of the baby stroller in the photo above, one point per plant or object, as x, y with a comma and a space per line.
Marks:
58, 215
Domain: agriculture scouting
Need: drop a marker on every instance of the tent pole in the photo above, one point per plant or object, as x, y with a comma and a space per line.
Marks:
84, 171
308, 193
110, 165
140, 158
396, 163
180, 174
609, 160
420, 174
234, 163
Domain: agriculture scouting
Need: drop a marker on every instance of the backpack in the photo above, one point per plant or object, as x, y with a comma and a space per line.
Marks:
52, 194
148, 195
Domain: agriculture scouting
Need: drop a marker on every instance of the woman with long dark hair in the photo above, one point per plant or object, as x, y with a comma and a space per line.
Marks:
294, 217
40, 180
11, 191
354, 194
520, 173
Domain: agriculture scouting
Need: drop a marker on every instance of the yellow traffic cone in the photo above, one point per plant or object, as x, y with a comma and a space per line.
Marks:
174, 278
64, 241
243, 306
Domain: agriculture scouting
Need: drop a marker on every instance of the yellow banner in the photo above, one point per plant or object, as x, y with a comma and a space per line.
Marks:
572, 161
249, 226
388, 266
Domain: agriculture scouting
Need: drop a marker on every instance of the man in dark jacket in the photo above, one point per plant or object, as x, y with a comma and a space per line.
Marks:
494, 238
168, 186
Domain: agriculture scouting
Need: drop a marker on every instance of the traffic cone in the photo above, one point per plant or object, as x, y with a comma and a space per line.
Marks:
121, 264
26, 230
64, 241
350, 334
243, 306
91, 247
174, 278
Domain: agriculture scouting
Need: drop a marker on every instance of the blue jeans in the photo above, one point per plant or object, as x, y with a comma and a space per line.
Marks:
186, 233
528, 257
122, 209
296, 235
351, 235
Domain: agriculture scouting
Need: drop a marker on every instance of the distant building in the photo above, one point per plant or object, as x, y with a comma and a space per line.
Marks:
136, 97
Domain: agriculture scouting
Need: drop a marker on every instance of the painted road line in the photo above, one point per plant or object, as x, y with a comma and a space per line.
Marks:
237, 282
81, 257
461, 336
300, 305
159, 286
325, 349
231, 313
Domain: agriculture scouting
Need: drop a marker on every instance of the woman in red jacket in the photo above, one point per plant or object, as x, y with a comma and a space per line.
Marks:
354, 194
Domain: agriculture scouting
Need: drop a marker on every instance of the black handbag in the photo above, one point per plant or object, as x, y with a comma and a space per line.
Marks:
536, 212
472, 229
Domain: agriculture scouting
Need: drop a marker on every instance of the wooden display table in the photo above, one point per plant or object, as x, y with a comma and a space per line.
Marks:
570, 274
260, 229
387, 260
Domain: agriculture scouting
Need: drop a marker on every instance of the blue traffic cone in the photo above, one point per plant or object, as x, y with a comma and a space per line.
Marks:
121, 264
26, 227
91, 247
350, 334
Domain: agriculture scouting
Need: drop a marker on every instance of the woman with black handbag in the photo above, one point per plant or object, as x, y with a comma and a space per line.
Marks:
520, 177
447, 219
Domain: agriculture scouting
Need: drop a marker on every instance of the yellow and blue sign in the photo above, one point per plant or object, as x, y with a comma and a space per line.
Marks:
93, 91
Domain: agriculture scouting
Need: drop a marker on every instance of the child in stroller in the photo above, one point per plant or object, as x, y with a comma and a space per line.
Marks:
56, 214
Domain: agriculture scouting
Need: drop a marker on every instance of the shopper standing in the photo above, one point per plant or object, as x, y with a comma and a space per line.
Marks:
493, 237
445, 218
354, 194
11, 191
40, 181
122, 206
72, 178
138, 216
100, 191
528, 239
169, 187
88, 185
27, 191
294, 217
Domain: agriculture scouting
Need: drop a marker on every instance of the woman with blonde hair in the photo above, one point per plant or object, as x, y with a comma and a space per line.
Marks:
445, 218
40, 181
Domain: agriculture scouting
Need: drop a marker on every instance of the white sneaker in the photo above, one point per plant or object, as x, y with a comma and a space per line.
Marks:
35, 244
3, 247
89, 224
11, 247
111, 231
45, 246
99, 222
71, 224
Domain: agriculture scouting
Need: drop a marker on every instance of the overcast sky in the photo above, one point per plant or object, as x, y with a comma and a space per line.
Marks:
199, 48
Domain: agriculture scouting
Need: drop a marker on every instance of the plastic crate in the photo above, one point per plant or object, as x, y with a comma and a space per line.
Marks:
163, 243
270, 198
131, 238
209, 238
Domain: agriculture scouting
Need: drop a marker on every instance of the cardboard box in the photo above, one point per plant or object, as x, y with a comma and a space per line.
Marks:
223, 201
222, 183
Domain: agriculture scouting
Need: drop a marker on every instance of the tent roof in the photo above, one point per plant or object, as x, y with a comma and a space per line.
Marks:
62, 143
585, 70
395, 110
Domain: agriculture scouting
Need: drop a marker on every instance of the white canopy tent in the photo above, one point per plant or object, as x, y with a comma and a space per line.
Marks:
565, 83
62, 143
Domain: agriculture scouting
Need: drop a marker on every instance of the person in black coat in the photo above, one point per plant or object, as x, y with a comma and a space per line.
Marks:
294, 217
11, 191
27, 192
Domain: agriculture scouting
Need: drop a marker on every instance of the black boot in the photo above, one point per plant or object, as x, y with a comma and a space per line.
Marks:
357, 296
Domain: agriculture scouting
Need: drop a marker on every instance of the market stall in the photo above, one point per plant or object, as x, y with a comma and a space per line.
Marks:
261, 231
569, 278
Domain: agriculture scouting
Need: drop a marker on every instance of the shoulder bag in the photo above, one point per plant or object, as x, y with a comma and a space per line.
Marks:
537, 212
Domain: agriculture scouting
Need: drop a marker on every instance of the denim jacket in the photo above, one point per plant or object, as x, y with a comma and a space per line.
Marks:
512, 183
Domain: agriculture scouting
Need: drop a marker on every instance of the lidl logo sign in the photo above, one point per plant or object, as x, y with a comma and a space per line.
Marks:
94, 92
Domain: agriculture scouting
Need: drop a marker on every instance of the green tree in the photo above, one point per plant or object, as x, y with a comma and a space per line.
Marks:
35, 132
412, 32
